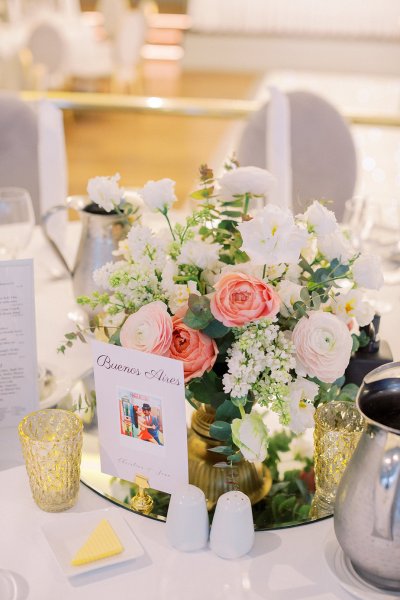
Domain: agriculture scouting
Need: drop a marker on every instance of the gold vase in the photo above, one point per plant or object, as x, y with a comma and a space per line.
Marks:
209, 470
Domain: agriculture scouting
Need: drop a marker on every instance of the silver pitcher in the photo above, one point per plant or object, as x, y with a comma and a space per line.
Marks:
100, 235
367, 508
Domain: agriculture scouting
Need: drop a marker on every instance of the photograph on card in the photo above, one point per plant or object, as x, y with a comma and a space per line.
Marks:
140, 417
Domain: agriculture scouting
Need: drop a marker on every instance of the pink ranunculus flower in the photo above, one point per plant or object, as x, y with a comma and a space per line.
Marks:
323, 346
240, 298
148, 330
197, 351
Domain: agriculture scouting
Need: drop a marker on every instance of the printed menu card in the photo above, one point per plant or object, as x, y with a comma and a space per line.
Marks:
18, 362
141, 410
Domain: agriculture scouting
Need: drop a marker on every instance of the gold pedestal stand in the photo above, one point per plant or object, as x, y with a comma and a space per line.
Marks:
142, 502
209, 471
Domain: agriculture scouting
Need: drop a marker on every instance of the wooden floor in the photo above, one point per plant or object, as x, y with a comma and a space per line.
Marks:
143, 146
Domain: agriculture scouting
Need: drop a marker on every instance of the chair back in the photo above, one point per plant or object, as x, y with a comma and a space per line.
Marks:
32, 151
323, 155
19, 140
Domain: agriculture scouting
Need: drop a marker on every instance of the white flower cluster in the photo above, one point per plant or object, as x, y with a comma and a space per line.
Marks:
260, 353
145, 248
133, 285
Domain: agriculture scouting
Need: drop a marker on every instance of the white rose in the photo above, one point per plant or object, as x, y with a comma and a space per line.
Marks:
105, 191
288, 292
250, 435
323, 346
158, 195
272, 237
293, 273
246, 180
352, 305
200, 254
335, 245
367, 271
310, 249
320, 219
301, 394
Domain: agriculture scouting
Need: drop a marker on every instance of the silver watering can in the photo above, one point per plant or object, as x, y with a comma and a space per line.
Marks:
100, 235
367, 508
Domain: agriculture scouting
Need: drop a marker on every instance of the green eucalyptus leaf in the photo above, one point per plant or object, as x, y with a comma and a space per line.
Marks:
235, 458
349, 392
227, 411
216, 329
220, 430
208, 389
114, 339
316, 300
305, 294
227, 450
334, 263
356, 343
321, 275
341, 270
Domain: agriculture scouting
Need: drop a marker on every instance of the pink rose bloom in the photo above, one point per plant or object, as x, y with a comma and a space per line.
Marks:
323, 346
148, 330
240, 298
197, 351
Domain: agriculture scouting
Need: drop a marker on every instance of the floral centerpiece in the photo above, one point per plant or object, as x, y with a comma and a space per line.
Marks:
263, 308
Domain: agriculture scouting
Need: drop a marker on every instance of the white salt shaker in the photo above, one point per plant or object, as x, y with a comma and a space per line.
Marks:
187, 519
232, 529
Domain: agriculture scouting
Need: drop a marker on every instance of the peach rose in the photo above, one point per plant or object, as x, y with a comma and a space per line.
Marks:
241, 298
148, 330
197, 351
323, 346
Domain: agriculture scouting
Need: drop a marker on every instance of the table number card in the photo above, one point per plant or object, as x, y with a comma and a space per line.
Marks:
141, 416
18, 362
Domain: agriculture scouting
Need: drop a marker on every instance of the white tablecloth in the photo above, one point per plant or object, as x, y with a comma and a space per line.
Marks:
283, 565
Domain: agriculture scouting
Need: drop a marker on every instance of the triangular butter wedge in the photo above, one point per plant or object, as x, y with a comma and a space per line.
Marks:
102, 543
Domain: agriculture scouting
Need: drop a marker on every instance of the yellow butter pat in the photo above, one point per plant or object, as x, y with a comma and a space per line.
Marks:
102, 543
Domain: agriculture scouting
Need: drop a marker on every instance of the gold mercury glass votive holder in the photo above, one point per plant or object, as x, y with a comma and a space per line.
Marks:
51, 442
338, 428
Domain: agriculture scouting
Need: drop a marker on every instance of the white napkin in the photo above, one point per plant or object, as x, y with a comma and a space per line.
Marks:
52, 165
279, 157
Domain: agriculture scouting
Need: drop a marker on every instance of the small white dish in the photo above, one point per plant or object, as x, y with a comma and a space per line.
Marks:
8, 586
341, 567
66, 534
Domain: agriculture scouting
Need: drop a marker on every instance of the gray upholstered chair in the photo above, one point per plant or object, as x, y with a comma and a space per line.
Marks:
32, 151
323, 157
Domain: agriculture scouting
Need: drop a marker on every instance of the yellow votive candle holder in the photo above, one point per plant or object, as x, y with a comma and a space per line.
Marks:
51, 442
338, 428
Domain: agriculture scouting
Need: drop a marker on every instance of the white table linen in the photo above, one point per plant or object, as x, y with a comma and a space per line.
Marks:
283, 564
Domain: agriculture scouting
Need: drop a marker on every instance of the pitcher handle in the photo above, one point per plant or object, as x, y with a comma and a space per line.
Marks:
45, 218
386, 490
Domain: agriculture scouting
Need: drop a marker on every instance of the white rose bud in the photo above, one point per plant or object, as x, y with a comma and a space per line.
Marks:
320, 219
250, 435
105, 191
246, 180
158, 195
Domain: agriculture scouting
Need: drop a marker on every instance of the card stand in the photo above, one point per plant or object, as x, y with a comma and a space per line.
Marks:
142, 502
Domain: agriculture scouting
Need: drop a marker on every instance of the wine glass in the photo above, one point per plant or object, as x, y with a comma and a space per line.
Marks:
17, 221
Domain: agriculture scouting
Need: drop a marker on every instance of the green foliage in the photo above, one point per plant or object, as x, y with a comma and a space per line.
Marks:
220, 430
207, 389
279, 442
199, 314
